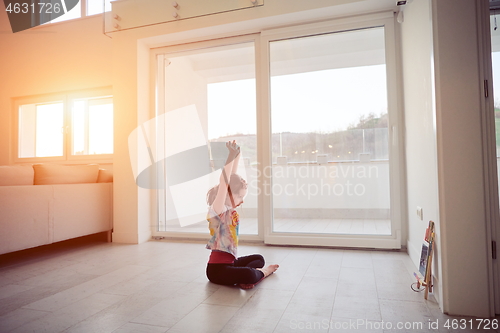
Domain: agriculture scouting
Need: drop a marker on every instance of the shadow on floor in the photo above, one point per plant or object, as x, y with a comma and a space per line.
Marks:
48, 251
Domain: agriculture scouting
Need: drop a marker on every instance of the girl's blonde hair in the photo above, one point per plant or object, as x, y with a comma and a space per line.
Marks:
236, 183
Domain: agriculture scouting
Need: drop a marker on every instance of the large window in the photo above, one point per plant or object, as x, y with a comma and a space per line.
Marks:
330, 134
64, 127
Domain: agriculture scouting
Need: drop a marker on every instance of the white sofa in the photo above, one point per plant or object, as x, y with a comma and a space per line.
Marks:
47, 203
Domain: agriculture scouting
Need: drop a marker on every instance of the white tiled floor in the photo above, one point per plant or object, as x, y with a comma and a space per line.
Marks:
161, 287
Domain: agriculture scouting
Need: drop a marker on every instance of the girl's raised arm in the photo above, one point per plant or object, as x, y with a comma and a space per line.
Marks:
236, 161
229, 168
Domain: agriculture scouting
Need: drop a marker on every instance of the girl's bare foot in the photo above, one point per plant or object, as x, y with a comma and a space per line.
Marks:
267, 271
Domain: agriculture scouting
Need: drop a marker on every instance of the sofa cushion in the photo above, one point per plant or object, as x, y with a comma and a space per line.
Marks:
11, 175
105, 176
47, 174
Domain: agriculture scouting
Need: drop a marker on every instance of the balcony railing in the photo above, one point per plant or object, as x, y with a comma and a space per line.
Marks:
335, 197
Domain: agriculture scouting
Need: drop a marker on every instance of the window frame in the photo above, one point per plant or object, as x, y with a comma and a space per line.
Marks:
396, 149
67, 98
396, 129
156, 57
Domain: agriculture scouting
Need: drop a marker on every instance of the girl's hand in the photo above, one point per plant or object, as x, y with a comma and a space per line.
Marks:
233, 148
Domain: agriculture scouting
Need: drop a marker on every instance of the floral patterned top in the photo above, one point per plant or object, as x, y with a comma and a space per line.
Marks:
224, 230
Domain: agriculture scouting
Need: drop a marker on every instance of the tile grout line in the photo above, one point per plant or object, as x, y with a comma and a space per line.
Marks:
284, 310
376, 287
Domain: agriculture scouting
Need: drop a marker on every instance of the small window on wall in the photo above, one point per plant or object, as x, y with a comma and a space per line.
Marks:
92, 131
41, 129
64, 127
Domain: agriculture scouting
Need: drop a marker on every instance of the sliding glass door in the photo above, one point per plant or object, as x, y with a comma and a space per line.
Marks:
334, 157
207, 96
316, 118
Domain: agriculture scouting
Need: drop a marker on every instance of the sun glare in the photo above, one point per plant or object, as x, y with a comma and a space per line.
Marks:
49, 130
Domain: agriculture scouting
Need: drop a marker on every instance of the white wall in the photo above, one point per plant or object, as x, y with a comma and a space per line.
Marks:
459, 83
443, 92
420, 124
49, 59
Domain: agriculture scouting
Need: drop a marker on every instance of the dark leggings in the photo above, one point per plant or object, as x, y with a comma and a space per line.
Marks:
242, 270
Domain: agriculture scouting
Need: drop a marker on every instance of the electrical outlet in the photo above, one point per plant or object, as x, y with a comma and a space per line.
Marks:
420, 213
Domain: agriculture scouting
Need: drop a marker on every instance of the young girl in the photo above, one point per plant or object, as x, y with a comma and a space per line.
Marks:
223, 221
